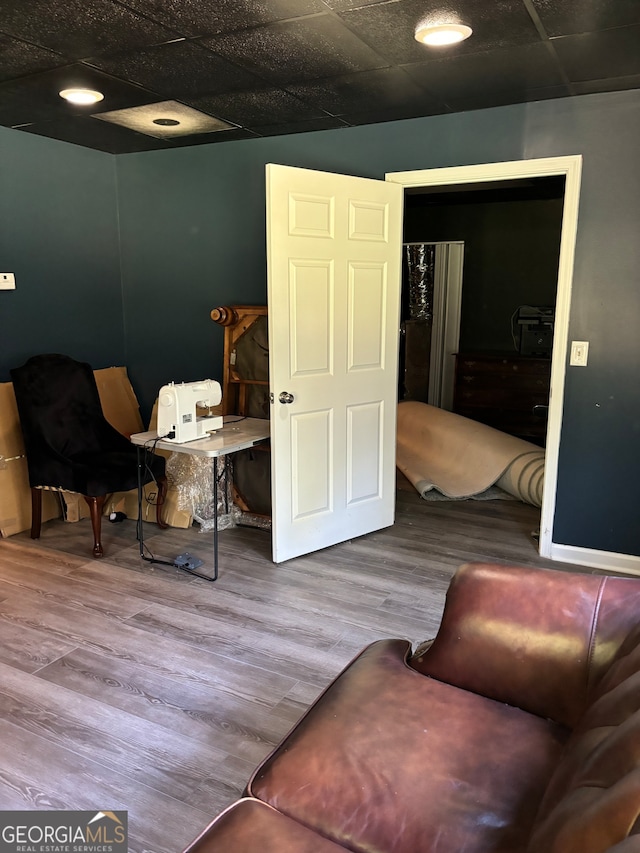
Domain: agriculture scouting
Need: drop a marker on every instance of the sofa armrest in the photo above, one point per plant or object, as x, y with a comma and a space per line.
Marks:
532, 638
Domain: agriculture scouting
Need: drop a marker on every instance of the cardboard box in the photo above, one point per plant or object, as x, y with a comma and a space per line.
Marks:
127, 502
74, 506
118, 399
15, 492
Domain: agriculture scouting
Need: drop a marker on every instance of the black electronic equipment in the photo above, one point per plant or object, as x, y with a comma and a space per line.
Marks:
536, 330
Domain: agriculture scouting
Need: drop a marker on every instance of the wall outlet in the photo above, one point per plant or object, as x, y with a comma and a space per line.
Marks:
579, 353
7, 281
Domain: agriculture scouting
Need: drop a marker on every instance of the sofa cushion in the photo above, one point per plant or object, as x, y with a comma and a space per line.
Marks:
249, 826
392, 761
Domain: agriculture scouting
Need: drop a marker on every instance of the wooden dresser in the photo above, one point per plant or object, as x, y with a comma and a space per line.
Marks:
501, 390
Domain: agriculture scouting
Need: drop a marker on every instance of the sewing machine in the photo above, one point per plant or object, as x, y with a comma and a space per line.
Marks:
177, 410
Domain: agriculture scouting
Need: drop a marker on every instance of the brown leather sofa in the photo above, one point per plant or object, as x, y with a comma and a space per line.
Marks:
517, 729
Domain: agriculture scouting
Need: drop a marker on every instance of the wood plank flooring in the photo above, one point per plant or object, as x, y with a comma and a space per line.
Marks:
126, 685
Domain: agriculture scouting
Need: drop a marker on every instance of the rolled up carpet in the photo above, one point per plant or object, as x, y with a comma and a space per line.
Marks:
461, 458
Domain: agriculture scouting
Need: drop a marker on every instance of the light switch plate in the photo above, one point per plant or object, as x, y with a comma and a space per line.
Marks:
7, 281
579, 353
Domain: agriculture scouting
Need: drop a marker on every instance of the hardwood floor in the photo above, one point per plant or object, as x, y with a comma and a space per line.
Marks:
126, 685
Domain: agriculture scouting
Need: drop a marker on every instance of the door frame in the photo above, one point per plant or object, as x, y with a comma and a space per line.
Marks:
571, 168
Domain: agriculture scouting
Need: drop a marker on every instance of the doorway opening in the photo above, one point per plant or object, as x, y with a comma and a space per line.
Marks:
569, 170
480, 276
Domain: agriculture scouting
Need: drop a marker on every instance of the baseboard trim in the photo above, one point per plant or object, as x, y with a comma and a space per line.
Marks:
607, 560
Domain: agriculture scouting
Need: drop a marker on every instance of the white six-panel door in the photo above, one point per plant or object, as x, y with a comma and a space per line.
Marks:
333, 254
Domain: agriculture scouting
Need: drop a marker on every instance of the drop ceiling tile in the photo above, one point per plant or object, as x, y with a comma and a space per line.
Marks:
198, 18
378, 90
613, 84
178, 69
20, 57
306, 126
345, 5
390, 27
90, 133
567, 17
392, 114
489, 99
496, 76
77, 28
594, 56
35, 98
112, 139
305, 48
165, 120
256, 107
212, 139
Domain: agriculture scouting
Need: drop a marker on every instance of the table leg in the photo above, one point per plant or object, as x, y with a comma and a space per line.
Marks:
140, 529
139, 533
215, 519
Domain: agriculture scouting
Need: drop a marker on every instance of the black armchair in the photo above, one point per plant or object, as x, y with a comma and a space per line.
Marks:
69, 443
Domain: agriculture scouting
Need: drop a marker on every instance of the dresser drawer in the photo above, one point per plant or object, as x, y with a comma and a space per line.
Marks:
501, 390
503, 365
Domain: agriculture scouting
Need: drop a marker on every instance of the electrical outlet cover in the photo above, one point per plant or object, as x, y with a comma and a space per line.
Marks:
7, 281
579, 353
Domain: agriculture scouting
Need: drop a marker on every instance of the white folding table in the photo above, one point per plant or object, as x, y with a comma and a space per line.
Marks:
238, 433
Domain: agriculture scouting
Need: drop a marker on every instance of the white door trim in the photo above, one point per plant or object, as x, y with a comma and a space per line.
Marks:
571, 168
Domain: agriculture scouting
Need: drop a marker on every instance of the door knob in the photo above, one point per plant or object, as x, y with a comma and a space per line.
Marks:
285, 397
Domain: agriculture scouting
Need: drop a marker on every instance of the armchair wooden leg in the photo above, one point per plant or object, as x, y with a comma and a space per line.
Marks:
162, 494
36, 512
95, 508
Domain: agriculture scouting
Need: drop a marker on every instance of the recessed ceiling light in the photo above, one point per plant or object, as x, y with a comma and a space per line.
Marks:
81, 96
166, 122
438, 35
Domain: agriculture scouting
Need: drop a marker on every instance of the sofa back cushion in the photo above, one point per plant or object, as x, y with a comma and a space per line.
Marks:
538, 639
593, 800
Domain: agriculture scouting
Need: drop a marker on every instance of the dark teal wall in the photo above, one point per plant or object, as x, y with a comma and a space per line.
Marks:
193, 225
193, 237
597, 497
59, 235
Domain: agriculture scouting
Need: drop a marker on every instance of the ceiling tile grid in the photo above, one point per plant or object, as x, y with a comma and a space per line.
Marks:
273, 67
177, 68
